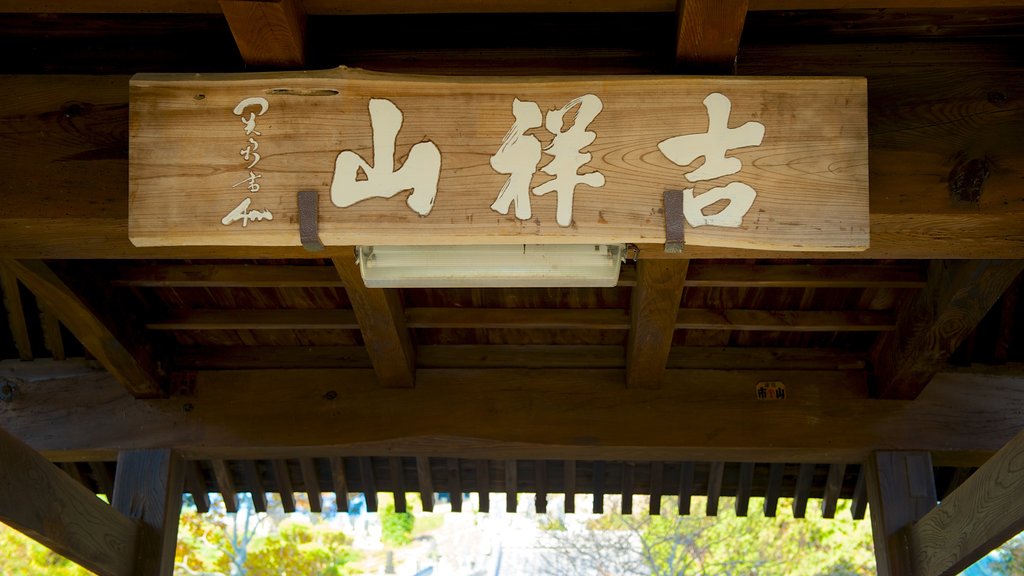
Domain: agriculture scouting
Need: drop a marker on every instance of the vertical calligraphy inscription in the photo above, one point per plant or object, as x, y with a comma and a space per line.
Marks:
356, 180
519, 155
249, 154
713, 146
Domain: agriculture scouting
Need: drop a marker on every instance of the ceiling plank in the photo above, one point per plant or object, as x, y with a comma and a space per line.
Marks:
932, 325
113, 342
269, 33
826, 417
708, 35
985, 511
45, 504
653, 311
228, 276
16, 314
278, 319
383, 325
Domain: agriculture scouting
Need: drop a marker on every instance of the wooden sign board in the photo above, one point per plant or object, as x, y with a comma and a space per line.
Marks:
769, 163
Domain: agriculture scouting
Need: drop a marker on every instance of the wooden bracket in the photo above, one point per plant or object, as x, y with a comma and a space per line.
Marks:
674, 221
309, 213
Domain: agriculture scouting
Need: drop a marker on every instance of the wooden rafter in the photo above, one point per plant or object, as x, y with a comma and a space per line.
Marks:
15, 313
383, 325
269, 33
441, 416
103, 333
986, 510
932, 325
43, 502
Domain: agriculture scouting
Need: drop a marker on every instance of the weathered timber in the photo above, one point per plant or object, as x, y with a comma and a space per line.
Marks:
570, 486
382, 322
685, 487
425, 478
901, 490
773, 490
708, 35
654, 306
825, 418
269, 33
656, 487
833, 487
92, 320
802, 490
483, 485
744, 488
283, 482
41, 501
933, 324
195, 485
225, 485
255, 320
52, 337
148, 489
986, 510
859, 500
311, 483
340, 483
230, 276
397, 483
511, 486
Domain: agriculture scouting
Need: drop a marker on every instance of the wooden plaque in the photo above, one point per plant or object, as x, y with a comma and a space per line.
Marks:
769, 163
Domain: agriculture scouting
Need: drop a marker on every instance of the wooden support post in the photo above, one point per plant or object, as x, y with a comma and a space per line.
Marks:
382, 322
901, 490
426, 482
985, 511
269, 33
41, 501
653, 311
16, 314
148, 489
931, 326
708, 35
122, 352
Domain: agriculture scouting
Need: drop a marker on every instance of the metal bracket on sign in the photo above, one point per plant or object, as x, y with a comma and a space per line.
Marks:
309, 233
674, 221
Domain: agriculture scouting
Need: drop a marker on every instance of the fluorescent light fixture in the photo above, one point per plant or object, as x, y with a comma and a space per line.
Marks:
513, 266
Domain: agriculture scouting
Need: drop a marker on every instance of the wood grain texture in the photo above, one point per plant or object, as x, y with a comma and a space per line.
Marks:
44, 503
15, 313
708, 35
986, 510
311, 483
283, 483
383, 325
269, 33
225, 485
148, 489
181, 199
654, 306
52, 337
833, 487
901, 490
131, 362
932, 325
773, 490
425, 477
802, 489
228, 276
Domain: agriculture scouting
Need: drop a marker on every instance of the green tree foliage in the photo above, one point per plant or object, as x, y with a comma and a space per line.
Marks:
396, 527
300, 548
22, 556
1008, 560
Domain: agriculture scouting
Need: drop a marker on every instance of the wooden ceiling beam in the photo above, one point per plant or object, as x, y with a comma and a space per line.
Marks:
16, 314
382, 322
269, 33
44, 503
653, 313
103, 331
508, 414
381, 7
985, 511
708, 35
931, 325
